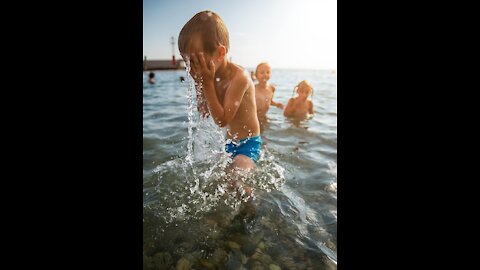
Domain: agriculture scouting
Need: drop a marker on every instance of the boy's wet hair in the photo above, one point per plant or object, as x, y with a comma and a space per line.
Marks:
211, 28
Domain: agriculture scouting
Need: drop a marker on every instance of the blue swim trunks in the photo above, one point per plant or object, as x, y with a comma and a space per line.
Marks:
249, 147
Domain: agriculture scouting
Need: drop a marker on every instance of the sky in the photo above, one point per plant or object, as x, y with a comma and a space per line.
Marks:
300, 34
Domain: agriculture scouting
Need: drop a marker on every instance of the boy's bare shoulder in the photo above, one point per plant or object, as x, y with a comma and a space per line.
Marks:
240, 76
272, 87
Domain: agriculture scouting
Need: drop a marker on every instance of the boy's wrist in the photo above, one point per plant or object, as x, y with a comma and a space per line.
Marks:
208, 84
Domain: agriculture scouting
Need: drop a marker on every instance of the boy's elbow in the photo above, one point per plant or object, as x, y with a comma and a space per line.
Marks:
221, 122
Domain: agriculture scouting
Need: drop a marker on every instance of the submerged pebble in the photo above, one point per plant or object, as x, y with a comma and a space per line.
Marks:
232, 245
249, 249
274, 267
183, 264
162, 260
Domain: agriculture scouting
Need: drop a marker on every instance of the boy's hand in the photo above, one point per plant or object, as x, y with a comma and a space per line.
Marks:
279, 105
201, 68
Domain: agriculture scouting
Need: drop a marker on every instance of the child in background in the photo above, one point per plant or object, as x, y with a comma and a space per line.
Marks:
151, 77
300, 107
264, 92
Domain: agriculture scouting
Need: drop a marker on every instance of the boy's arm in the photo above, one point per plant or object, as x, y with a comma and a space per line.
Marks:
224, 113
221, 113
310, 107
289, 109
276, 104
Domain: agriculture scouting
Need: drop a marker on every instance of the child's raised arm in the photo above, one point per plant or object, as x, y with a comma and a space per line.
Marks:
310, 107
276, 104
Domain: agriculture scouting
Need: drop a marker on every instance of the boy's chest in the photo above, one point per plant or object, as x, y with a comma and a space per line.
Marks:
221, 89
263, 94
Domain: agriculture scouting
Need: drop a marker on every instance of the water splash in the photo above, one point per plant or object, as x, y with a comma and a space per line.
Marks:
190, 115
188, 188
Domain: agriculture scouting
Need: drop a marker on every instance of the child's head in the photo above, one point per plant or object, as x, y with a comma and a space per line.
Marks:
303, 89
263, 72
204, 32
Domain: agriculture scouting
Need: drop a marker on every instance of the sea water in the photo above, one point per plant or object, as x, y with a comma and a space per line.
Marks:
192, 218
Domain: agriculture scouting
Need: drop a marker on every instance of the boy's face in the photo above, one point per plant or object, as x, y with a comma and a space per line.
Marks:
195, 46
263, 73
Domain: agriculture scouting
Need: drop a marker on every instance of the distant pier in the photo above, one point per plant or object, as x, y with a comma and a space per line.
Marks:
163, 64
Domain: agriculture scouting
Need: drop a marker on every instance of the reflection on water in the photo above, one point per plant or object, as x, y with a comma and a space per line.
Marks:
192, 218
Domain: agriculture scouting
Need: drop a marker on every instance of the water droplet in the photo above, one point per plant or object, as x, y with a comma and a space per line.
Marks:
217, 79
244, 127
237, 103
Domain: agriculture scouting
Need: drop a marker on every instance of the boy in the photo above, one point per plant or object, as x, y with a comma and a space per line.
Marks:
299, 107
227, 92
264, 92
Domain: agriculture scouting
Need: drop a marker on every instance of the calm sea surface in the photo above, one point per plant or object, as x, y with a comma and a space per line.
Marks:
191, 218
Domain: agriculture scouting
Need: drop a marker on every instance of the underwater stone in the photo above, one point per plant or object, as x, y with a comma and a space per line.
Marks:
257, 255
249, 249
205, 264
266, 259
219, 256
232, 245
257, 237
162, 260
249, 264
329, 265
240, 239
147, 262
215, 234
330, 244
243, 258
289, 262
183, 264
274, 267
211, 222
233, 263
